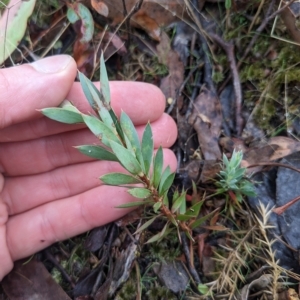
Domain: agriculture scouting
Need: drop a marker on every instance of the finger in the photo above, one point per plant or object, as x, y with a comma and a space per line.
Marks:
5, 259
34, 86
61, 183
36, 229
41, 155
143, 102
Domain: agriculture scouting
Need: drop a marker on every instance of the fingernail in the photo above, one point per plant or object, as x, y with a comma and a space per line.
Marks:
52, 64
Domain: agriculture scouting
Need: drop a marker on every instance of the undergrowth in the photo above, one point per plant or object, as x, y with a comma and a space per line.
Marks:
246, 242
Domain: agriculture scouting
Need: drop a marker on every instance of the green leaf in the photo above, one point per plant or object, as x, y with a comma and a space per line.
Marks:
130, 131
126, 158
14, 25
156, 238
72, 15
147, 148
87, 22
146, 225
164, 176
157, 166
167, 184
100, 130
104, 83
195, 209
117, 124
94, 98
200, 221
133, 204
86, 84
203, 289
157, 206
139, 192
97, 152
119, 179
165, 200
62, 115
191, 212
178, 203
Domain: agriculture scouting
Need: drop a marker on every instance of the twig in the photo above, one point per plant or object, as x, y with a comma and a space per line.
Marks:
205, 47
274, 165
229, 49
59, 267
186, 252
127, 22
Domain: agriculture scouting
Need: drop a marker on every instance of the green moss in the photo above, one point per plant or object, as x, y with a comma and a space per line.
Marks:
217, 76
167, 250
128, 291
161, 293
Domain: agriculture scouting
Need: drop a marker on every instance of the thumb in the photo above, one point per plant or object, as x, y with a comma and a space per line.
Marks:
29, 87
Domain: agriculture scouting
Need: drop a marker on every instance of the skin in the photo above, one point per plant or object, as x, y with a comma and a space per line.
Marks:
48, 190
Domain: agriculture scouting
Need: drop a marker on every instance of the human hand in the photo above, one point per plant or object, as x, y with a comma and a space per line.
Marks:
48, 190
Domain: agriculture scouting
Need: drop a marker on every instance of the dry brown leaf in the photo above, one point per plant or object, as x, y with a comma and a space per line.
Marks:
290, 17
285, 146
100, 7
31, 280
153, 14
207, 104
171, 83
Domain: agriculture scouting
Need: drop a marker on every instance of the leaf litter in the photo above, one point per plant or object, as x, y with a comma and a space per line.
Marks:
240, 239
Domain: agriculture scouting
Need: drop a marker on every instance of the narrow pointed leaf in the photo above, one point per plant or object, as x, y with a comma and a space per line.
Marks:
104, 83
201, 220
147, 148
62, 115
164, 176
86, 87
191, 212
139, 192
184, 218
97, 152
131, 133
182, 208
188, 234
99, 129
160, 235
145, 225
126, 158
172, 219
166, 200
195, 209
178, 202
119, 179
157, 206
157, 167
167, 184
117, 124
94, 98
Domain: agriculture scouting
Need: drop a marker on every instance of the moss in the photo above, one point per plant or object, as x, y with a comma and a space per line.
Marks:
167, 250
217, 76
161, 293
128, 291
